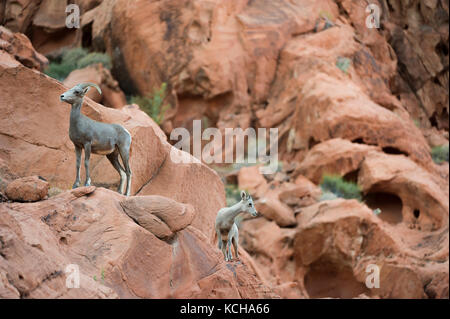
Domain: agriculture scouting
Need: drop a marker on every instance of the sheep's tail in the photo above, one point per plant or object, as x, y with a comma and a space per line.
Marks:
131, 144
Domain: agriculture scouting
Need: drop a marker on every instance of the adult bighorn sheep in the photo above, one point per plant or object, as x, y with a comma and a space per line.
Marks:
226, 228
111, 140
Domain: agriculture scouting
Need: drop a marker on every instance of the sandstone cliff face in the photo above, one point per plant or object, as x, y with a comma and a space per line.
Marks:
123, 247
366, 104
234, 61
116, 257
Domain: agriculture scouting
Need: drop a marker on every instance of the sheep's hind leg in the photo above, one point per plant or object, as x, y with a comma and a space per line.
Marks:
78, 159
124, 152
87, 156
114, 159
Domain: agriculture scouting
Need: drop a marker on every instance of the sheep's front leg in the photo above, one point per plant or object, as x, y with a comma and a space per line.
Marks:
225, 250
87, 155
219, 239
229, 244
78, 159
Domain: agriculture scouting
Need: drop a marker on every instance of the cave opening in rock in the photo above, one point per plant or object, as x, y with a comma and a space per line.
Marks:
352, 176
390, 205
433, 120
416, 213
441, 49
358, 140
86, 38
393, 151
326, 279
312, 142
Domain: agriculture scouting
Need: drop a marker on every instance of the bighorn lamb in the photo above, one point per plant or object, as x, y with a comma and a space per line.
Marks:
226, 228
111, 140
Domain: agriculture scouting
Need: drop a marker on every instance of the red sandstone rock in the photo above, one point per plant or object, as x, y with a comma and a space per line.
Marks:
161, 216
116, 257
27, 189
251, 180
25, 131
335, 156
17, 14
424, 197
240, 64
19, 46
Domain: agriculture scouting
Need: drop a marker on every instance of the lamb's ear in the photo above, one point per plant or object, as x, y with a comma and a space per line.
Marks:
243, 195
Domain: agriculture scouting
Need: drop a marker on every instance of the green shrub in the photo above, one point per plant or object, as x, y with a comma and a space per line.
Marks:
59, 71
153, 103
94, 58
73, 59
338, 186
343, 63
72, 56
440, 154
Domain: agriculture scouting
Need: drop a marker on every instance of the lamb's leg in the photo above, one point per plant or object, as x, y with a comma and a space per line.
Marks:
224, 250
219, 239
124, 152
87, 155
235, 244
114, 159
229, 244
78, 158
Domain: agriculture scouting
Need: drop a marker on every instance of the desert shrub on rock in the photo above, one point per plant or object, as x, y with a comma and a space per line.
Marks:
73, 59
153, 103
440, 154
338, 186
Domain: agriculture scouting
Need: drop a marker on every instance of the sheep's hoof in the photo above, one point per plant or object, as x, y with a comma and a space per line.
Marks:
76, 185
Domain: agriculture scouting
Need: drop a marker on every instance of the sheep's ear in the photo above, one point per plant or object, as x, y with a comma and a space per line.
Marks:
243, 195
86, 90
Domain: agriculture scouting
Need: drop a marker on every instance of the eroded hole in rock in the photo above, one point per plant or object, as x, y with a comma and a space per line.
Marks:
312, 142
433, 120
390, 206
358, 140
416, 213
352, 176
393, 151
86, 38
327, 279
444, 120
63, 240
441, 49
440, 120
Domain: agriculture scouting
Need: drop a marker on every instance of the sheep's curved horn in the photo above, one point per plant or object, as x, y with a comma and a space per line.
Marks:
87, 84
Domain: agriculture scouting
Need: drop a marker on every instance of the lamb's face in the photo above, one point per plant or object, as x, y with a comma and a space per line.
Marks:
73, 95
249, 206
